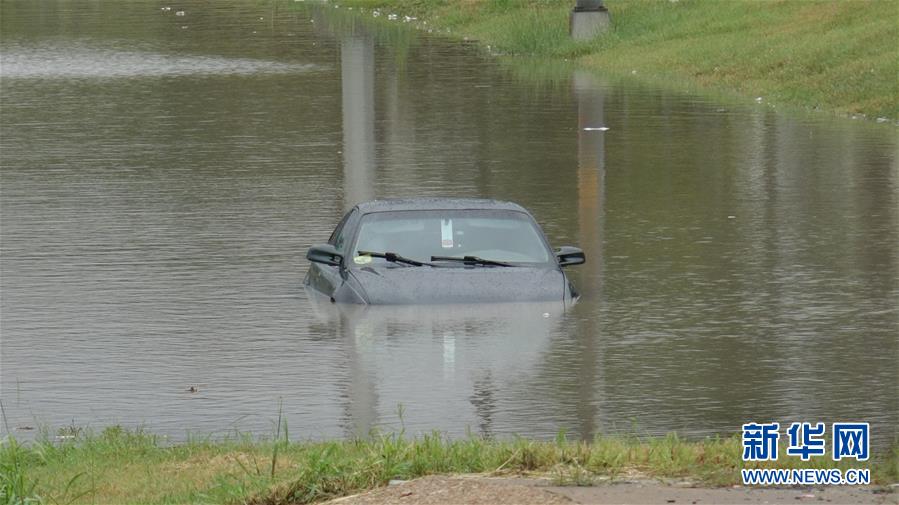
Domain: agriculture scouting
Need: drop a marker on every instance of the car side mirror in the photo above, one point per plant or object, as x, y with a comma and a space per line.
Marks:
326, 254
568, 255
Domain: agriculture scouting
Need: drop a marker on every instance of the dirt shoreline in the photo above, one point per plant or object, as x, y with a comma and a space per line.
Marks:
483, 490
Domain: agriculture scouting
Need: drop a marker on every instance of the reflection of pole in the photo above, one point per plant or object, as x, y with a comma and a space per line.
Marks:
358, 91
590, 173
591, 189
357, 335
357, 73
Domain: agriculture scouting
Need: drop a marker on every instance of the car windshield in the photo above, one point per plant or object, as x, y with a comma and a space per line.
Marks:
493, 235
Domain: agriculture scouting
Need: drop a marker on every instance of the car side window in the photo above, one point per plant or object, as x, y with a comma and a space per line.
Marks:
339, 237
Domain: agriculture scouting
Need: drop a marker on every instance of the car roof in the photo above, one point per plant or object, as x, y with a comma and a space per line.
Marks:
431, 203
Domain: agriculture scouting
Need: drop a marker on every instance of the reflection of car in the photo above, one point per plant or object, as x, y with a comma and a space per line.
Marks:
440, 250
457, 360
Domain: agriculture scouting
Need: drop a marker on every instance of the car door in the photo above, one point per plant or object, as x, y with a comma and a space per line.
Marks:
327, 278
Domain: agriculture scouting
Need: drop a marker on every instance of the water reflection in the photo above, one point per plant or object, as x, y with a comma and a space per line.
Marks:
591, 171
589, 93
357, 77
447, 362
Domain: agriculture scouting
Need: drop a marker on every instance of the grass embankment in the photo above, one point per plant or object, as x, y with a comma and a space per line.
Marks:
837, 55
119, 466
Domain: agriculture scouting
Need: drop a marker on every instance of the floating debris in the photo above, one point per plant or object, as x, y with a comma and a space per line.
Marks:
882, 120
731, 217
759, 99
25, 428
193, 389
392, 17
180, 13
596, 129
166, 9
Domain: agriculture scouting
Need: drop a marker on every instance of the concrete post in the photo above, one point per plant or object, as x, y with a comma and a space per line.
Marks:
589, 5
588, 19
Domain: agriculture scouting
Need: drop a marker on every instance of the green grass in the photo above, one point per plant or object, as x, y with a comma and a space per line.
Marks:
836, 55
120, 466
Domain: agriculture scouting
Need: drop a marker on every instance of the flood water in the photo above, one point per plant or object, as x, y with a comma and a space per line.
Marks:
164, 174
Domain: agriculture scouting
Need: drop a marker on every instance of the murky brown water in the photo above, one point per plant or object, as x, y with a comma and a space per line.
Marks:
163, 175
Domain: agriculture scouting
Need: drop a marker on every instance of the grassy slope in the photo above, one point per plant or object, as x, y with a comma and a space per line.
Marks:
119, 466
839, 55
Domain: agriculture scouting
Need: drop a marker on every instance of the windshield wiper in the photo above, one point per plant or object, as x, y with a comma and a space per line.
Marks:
473, 260
394, 258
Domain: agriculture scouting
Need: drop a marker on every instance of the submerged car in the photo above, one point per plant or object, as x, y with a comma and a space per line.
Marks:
440, 250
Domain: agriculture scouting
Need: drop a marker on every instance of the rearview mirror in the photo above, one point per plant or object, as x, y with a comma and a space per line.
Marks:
326, 254
568, 255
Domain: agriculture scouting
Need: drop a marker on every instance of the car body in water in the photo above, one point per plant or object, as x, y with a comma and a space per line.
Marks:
440, 250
